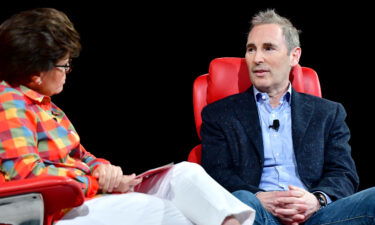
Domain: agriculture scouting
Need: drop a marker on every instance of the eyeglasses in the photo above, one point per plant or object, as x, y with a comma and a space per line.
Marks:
67, 67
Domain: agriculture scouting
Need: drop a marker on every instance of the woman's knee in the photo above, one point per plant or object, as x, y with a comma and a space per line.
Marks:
187, 169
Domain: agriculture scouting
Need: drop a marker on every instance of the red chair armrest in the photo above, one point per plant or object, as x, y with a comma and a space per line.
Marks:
58, 192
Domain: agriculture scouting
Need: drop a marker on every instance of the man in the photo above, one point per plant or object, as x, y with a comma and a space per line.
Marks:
284, 153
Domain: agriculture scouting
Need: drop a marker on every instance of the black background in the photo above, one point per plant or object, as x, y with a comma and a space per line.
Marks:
129, 95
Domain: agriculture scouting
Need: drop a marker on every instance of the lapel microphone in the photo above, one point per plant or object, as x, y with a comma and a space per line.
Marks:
275, 125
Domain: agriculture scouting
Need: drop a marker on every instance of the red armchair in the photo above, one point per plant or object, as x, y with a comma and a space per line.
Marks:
228, 76
56, 193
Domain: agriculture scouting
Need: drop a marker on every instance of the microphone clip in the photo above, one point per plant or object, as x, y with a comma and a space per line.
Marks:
275, 125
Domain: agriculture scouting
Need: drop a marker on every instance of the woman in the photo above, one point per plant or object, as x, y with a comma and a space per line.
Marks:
36, 48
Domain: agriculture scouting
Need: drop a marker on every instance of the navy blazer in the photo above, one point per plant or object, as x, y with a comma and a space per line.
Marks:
232, 144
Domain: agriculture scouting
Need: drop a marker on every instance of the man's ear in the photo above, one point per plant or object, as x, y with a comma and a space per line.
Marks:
295, 55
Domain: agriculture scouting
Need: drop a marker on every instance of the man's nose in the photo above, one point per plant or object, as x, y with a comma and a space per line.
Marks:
258, 57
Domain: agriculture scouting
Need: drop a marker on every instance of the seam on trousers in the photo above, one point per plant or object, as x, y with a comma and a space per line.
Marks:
345, 220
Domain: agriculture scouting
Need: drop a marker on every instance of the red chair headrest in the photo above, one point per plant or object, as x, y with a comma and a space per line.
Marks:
228, 76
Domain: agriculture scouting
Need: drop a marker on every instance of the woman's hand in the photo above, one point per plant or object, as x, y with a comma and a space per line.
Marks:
109, 177
127, 183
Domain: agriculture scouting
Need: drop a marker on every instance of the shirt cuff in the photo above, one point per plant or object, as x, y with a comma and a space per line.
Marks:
329, 200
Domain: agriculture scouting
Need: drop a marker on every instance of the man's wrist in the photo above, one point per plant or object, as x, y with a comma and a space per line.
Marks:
322, 200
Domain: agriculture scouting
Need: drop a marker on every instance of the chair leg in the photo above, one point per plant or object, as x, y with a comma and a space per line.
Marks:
27, 209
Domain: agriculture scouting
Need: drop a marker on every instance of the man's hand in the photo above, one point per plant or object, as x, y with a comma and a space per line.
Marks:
297, 211
292, 207
271, 200
109, 177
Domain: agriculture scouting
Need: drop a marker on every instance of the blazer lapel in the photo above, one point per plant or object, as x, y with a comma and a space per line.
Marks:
247, 114
302, 112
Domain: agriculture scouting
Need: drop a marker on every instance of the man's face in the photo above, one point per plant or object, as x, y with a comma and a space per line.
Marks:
267, 58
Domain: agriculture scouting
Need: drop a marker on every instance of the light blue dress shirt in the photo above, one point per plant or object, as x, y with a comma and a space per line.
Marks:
280, 167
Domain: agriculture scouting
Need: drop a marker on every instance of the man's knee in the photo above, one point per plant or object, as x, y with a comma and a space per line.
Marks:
367, 198
247, 197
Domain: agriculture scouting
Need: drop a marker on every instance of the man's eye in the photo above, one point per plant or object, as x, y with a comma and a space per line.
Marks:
250, 49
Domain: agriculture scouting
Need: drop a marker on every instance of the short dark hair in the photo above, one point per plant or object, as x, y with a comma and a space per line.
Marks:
33, 41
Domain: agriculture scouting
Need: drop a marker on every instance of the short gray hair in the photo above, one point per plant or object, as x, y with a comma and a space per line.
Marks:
290, 33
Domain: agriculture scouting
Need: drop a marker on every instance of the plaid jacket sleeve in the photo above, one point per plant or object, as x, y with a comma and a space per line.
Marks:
24, 155
88, 158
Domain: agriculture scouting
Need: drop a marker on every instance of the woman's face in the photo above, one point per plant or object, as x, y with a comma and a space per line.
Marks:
52, 81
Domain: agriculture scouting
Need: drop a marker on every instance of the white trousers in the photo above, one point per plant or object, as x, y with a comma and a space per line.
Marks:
183, 195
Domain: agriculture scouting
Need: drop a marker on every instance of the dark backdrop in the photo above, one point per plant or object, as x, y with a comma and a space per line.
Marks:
129, 95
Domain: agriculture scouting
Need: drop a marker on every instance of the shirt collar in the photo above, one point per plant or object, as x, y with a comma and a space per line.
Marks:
262, 96
33, 95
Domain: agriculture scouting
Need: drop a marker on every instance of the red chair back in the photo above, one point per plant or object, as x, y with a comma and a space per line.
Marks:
229, 76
